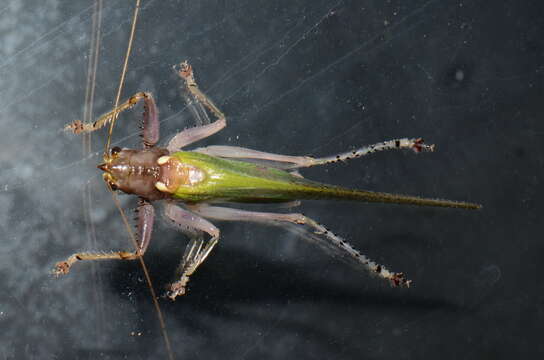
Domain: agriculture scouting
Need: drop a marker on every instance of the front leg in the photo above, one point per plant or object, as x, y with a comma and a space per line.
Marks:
146, 217
189, 136
150, 122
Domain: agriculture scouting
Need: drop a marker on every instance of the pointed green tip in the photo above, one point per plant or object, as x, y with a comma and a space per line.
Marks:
473, 206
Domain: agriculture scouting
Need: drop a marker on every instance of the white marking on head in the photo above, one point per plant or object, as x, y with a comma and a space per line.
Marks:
163, 160
161, 187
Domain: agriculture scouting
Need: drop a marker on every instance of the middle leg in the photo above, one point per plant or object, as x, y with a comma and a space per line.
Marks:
146, 217
196, 251
189, 136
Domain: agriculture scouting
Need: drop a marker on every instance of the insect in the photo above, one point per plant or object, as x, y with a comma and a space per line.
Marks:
192, 183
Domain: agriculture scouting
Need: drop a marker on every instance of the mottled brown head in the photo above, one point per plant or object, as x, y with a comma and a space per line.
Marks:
133, 171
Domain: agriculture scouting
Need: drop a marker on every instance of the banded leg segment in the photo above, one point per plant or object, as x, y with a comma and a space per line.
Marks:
189, 136
146, 217
150, 123
320, 233
417, 145
295, 162
196, 251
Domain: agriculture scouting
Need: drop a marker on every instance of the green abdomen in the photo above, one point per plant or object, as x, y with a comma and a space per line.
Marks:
239, 181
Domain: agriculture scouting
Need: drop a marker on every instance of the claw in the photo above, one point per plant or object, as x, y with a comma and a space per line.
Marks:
75, 127
419, 146
61, 268
399, 280
184, 69
176, 289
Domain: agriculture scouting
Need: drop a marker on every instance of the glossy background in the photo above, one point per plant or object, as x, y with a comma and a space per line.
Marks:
295, 77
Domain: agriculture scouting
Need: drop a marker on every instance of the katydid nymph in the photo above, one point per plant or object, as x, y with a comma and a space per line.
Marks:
191, 183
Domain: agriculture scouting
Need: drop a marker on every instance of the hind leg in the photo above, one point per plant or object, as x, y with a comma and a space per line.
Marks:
316, 232
294, 162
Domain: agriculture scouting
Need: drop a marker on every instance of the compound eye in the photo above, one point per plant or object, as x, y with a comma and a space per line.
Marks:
115, 150
113, 187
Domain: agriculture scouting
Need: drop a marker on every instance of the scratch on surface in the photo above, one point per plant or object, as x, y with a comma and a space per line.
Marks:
346, 56
427, 74
38, 42
338, 136
29, 94
257, 54
278, 59
327, 15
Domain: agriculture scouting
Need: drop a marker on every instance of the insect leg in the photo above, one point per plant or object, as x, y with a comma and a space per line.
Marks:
318, 234
186, 137
192, 135
307, 161
417, 145
185, 71
196, 251
236, 152
150, 128
146, 217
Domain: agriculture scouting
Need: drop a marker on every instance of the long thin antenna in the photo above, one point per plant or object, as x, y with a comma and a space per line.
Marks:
123, 72
147, 277
114, 196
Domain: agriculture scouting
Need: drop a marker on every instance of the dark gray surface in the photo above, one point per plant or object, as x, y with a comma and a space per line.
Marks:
294, 77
